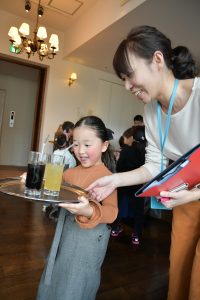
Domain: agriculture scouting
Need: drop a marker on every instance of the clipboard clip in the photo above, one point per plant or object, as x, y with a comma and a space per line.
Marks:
180, 188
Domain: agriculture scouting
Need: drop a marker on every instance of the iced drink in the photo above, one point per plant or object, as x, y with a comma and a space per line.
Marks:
53, 175
35, 173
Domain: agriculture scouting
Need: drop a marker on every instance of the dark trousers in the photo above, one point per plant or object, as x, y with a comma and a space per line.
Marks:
131, 208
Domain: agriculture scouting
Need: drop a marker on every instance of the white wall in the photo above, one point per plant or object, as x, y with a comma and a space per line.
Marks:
61, 101
117, 108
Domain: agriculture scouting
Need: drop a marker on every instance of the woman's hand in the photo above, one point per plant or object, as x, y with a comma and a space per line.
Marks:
102, 187
82, 208
172, 199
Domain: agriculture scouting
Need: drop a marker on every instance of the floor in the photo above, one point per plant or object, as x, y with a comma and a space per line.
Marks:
128, 273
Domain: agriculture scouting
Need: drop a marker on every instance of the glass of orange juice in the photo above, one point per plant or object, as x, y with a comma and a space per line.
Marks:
53, 175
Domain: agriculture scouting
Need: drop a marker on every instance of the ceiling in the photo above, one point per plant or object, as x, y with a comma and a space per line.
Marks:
178, 19
58, 14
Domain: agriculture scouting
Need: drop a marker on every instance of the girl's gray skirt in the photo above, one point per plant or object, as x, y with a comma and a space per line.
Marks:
73, 268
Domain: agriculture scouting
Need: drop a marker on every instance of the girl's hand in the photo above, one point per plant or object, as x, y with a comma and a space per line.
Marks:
172, 199
102, 188
82, 208
23, 177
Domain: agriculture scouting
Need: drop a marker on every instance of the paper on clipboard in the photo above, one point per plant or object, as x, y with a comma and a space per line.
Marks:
182, 174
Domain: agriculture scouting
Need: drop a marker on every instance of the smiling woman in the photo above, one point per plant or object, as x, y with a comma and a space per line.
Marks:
155, 72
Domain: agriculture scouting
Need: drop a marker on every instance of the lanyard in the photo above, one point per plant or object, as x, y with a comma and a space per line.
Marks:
163, 139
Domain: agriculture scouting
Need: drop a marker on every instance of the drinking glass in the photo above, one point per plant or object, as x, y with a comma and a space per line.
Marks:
53, 175
35, 173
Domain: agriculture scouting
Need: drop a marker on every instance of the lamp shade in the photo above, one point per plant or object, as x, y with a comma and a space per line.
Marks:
13, 33
24, 29
17, 40
54, 40
54, 48
73, 76
42, 33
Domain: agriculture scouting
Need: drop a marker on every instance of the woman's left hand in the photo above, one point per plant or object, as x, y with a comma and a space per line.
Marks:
172, 199
82, 208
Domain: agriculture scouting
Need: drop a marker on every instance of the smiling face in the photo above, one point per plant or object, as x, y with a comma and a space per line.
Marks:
88, 147
144, 80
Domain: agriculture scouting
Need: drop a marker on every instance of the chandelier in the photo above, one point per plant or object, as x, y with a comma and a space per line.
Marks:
20, 42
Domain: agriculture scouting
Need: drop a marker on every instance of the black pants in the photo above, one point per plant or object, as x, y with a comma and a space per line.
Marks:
131, 208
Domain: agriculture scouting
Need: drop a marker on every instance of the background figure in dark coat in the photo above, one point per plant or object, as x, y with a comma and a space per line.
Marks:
132, 156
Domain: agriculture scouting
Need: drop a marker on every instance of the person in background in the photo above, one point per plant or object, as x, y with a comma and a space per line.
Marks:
138, 120
58, 132
132, 156
121, 142
62, 149
164, 79
73, 268
117, 151
67, 128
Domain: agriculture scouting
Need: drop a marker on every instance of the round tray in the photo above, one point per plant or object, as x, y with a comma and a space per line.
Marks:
15, 187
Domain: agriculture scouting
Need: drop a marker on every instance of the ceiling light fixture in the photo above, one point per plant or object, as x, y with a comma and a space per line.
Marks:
27, 5
21, 43
40, 11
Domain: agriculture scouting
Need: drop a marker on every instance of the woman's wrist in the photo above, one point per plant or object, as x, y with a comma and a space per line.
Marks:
116, 180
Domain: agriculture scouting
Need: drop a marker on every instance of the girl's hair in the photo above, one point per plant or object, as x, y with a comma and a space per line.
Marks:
143, 41
139, 133
60, 141
121, 141
128, 132
97, 124
67, 125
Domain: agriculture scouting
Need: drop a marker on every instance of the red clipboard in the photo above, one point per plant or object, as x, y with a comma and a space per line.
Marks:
184, 173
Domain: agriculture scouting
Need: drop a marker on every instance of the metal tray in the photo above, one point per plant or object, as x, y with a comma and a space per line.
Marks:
15, 187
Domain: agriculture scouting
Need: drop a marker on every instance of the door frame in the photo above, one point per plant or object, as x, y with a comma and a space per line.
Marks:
39, 98
2, 105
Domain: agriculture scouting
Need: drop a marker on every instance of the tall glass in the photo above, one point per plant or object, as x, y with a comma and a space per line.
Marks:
35, 173
53, 175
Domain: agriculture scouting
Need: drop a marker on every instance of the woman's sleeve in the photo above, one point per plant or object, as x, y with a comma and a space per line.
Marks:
153, 154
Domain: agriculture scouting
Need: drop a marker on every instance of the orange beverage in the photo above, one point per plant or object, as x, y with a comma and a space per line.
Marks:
53, 175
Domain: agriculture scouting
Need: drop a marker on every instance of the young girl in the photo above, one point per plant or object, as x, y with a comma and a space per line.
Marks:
74, 264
